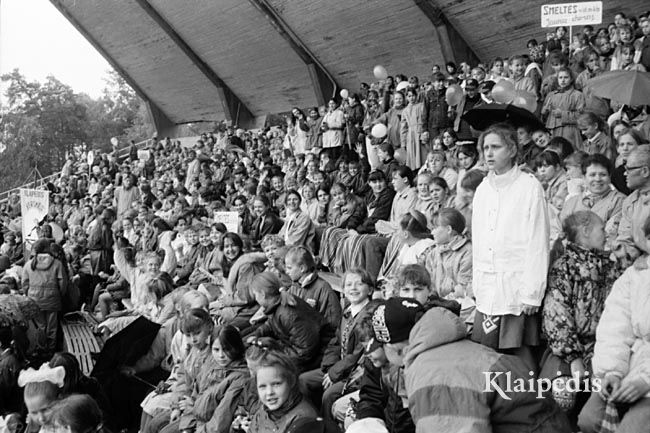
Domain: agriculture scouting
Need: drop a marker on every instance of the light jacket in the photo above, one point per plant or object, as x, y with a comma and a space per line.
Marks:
450, 266
510, 239
450, 384
623, 333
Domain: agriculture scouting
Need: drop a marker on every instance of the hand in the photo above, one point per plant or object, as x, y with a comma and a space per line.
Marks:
185, 404
359, 149
175, 415
630, 391
610, 384
528, 309
578, 368
353, 232
327, 382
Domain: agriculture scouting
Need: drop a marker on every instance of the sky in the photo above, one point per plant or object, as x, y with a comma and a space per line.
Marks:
39, 41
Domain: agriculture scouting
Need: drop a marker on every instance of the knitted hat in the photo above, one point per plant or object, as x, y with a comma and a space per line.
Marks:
392, 322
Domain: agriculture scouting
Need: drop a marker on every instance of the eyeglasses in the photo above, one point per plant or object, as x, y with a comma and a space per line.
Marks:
628, 169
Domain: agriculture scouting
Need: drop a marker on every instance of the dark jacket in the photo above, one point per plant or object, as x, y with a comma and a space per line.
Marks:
379, 398
388, 167
436, 111
345, 350
297, 327
320, 296
46, 284
271, 226
380, 210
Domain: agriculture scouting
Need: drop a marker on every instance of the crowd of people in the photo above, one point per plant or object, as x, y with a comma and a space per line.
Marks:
394, 268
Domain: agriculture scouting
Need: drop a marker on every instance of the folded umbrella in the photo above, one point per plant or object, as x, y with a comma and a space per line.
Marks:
484, 116
626, 87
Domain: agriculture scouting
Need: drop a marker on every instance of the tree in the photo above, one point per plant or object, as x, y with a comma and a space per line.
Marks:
44, 121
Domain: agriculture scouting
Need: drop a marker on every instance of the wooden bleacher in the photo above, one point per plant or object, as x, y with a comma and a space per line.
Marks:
78, 339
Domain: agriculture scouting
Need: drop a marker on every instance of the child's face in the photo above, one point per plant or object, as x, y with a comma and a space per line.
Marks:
199, 339
541, 139
270, 250
438, 193
204, 238
276, 182
626, 144
438, 85
272, 388
517, 67
215, 236
627, 56
319, 178
563, 79
424, 189
546, 172
191, 237
465, 161
39, 409
293, 269
442, 233
152, 266
230, 250
415, 291
355, 290
589, 130
219, 354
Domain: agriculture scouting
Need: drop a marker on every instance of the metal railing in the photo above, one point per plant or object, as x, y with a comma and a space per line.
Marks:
40, 183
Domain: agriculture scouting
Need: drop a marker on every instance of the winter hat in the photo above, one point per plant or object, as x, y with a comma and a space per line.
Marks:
392, 321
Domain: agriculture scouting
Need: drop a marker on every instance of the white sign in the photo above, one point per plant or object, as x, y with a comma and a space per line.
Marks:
143, 155
90, 158
34, 205
229, 219
572, 14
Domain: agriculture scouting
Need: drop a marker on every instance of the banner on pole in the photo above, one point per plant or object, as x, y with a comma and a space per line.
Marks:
34, 204
572, 14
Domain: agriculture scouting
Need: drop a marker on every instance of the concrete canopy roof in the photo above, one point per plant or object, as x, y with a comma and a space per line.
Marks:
239, 60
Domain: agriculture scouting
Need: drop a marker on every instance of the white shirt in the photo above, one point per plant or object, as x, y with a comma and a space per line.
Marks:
510, 237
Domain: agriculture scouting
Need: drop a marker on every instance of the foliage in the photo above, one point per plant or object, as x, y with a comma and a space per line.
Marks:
41, 122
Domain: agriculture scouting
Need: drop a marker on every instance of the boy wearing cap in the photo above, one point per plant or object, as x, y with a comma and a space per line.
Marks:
382, 395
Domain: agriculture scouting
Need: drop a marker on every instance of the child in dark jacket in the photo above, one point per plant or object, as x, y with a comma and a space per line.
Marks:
290, 320
300, 266
10, 366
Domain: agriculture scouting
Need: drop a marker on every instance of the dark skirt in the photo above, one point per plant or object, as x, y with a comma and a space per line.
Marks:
507, 331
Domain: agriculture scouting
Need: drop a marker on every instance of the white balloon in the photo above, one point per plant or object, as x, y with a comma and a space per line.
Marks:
380, 72
379, 130
344, 93
114, 141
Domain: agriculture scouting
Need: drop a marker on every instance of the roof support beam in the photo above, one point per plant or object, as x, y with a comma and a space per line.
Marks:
130, 81
235, 110
453, 46
323, 82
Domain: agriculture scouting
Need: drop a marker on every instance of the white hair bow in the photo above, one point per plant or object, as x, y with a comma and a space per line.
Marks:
54, 375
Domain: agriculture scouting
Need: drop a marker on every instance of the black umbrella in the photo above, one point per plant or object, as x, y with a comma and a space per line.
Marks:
125, 347
484, 116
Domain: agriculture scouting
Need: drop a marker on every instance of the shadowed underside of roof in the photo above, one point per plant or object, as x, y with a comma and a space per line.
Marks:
239, 60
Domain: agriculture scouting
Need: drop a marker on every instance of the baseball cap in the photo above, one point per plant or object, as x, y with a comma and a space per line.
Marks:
392, 321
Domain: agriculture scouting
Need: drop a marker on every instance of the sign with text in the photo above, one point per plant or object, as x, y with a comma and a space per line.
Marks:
229, 219
34, 205
572, 14
143, 155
